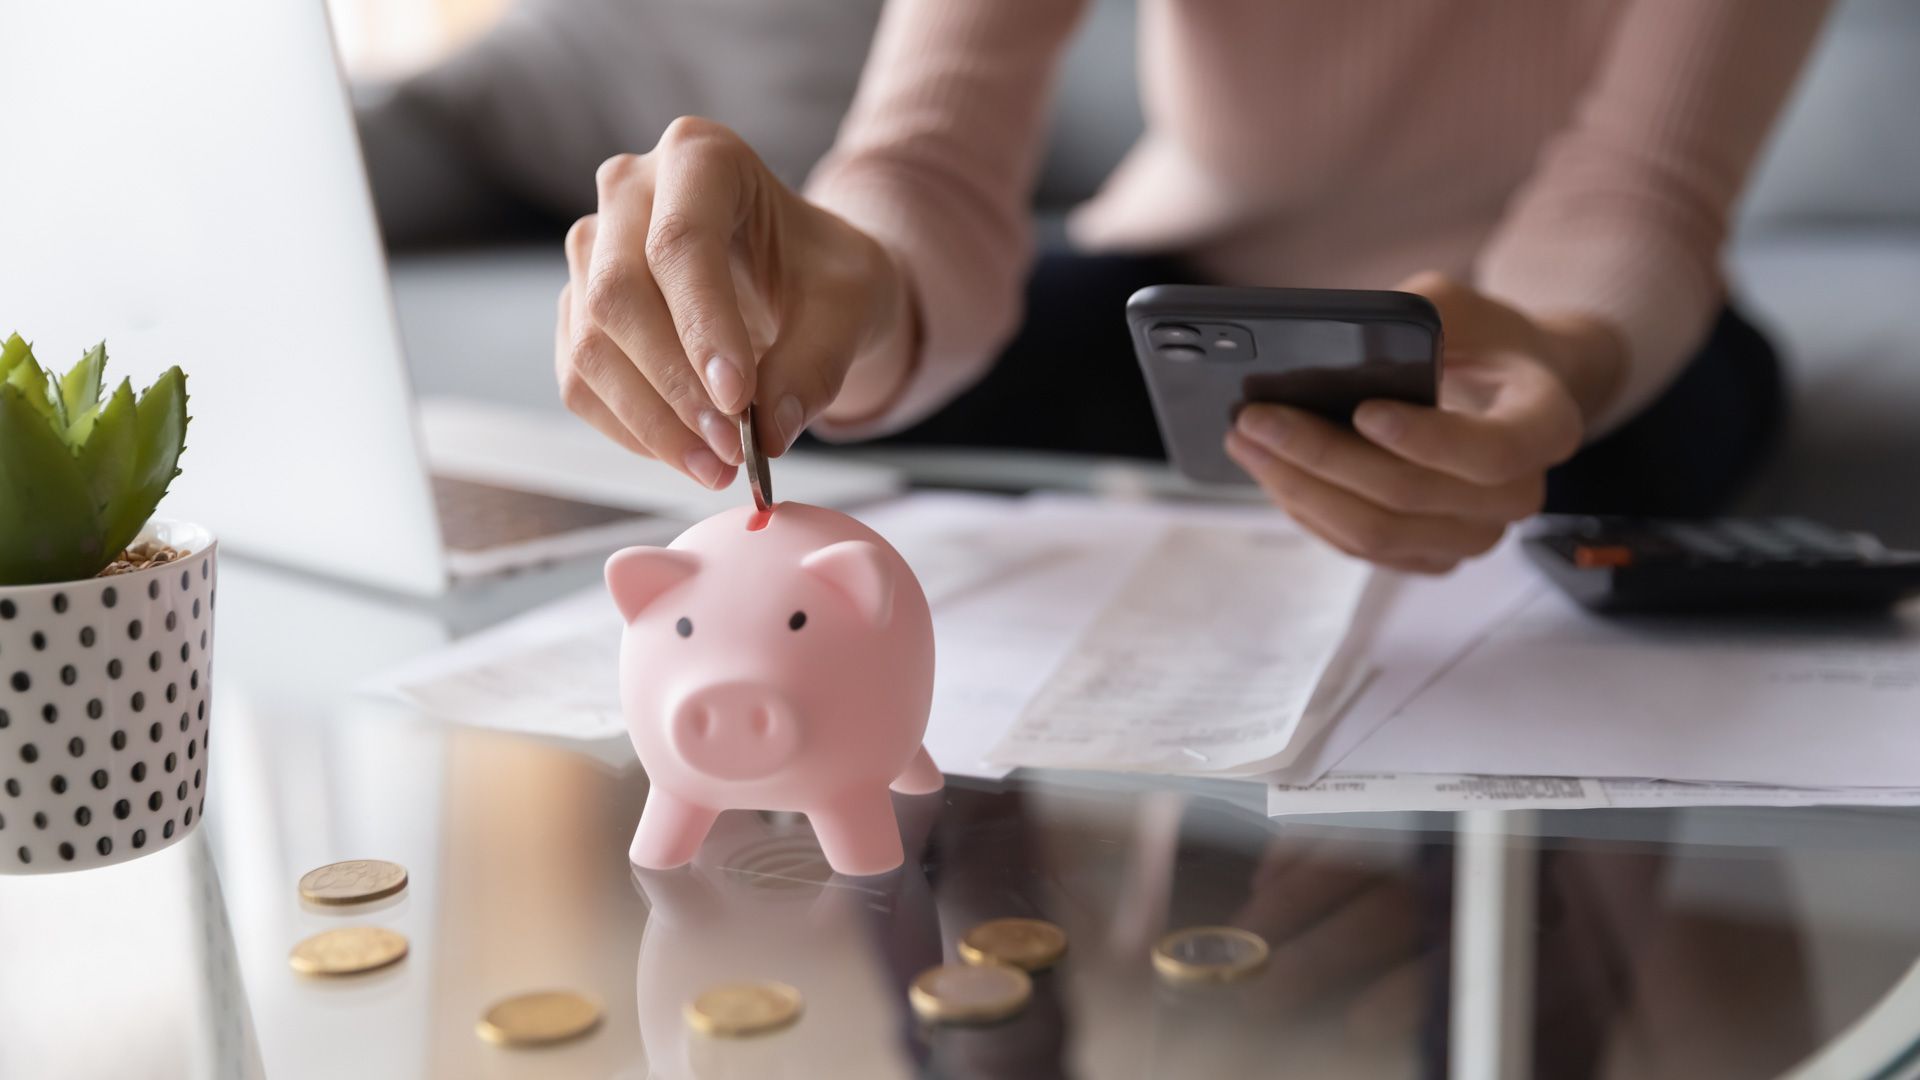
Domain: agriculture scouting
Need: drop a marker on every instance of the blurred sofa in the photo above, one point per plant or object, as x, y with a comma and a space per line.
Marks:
1826, 256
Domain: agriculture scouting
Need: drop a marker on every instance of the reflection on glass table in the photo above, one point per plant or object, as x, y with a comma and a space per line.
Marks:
1683, 943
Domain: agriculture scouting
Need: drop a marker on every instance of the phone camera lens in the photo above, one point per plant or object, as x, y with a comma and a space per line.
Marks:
1174, 334
1182, 353
1228, 344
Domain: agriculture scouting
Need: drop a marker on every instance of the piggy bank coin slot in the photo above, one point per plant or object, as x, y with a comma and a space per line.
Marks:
758, 519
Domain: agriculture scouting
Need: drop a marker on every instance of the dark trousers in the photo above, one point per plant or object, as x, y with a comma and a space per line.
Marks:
1068, 382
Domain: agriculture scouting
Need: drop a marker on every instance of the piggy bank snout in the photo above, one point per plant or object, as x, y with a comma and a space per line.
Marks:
734, 731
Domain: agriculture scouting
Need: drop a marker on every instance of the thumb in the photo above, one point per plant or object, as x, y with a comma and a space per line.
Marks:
1470, 319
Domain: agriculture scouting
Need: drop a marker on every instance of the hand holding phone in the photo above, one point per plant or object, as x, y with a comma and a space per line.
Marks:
1410, 485
1207, 351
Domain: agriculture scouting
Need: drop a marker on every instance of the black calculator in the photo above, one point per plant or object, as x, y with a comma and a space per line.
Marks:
1720, 564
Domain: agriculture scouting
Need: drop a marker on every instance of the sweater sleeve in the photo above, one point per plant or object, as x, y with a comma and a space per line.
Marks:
1626, 213
937, 160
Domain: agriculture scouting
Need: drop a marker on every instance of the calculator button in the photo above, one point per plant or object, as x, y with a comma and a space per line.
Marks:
1699, 541
1648, 545
1818, 539
1755, 539
1602, 556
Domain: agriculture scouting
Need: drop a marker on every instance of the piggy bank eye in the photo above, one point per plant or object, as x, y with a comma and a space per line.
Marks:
684, 627
798, 620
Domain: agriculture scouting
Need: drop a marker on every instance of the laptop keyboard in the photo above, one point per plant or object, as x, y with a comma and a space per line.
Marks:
479, 517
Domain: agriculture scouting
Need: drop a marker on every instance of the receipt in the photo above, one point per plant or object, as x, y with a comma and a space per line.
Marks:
1205, 660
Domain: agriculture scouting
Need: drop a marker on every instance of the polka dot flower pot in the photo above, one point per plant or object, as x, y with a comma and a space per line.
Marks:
104, 685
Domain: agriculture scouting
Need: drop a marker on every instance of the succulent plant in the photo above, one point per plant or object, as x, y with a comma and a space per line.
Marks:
79, 473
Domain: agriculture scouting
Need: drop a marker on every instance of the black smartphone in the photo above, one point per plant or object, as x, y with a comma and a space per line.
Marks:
1208, 350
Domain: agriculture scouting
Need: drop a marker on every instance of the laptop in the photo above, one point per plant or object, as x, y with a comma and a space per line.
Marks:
185, 181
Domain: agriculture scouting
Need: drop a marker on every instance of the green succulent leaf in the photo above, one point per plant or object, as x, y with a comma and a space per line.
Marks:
15, 350
107, 450
160, 433
31, 380
80, 386
79, 428
79, 474
49, 529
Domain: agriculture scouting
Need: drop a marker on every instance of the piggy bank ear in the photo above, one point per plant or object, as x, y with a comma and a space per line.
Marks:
637, 575
856, 570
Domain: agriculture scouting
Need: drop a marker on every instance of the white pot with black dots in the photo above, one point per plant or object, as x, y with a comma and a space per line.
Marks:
104, 691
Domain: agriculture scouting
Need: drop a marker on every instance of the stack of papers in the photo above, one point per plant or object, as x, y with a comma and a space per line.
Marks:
1069, 633
1491, 689
1222, 642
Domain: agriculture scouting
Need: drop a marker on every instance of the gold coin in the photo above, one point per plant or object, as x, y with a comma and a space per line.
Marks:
354, 881
539, 1018
349, 950
969, 993
1209, 954
1028, 944
754, 460
736, 1009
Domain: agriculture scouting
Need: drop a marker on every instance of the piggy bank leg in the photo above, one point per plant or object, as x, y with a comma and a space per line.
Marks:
920, 777
670, 832
858, 833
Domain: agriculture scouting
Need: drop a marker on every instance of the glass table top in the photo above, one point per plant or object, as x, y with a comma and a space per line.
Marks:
1650, 943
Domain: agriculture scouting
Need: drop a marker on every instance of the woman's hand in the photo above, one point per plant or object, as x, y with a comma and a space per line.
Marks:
703, 284
1420, 489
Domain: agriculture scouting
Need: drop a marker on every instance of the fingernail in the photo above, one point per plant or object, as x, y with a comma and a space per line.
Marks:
725, 384
1244, 450
1381, 423
1268, 427
788, 418
705, 467
722, 434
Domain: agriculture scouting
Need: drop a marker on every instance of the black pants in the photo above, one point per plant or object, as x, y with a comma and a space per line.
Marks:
1068, 382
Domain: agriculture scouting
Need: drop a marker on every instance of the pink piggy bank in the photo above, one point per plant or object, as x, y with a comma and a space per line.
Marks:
777, 660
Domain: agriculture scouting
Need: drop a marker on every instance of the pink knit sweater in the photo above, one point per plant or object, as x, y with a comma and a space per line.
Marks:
1568, 157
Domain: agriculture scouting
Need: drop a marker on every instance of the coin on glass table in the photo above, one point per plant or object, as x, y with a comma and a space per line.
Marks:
969, 993
1028, 944
348, 950
733, 1010
754, 459
539, 1018
1201, 954
354, 881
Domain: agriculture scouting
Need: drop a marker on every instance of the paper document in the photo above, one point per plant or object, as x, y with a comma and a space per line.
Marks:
1204, 661
1011, 594
1354, 792
1408, 630
1069, 633
1559, 691
553, 672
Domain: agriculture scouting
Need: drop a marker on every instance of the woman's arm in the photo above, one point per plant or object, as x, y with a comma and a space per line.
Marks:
1589, 298
937, 161
1615, 242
